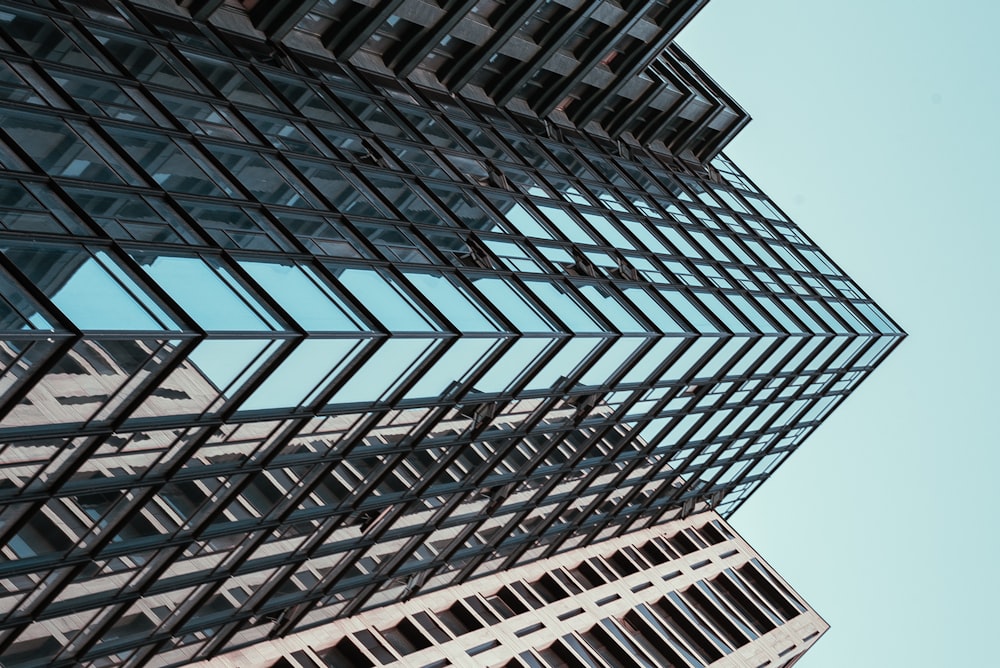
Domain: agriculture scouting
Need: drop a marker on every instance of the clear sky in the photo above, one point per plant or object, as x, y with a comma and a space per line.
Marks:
877, 129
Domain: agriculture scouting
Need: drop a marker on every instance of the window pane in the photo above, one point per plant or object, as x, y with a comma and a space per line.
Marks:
208, 292
91, 291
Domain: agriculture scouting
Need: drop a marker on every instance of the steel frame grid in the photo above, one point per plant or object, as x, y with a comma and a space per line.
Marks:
263, 527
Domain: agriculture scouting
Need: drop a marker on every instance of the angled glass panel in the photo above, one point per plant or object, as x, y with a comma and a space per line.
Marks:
569, 358
607, 304
453, 301
514, 362
94, 375
653, 309
104, 98
170, 164
285, 134
208, 292
679, 241
689, 311
267, 182
147, 63
384, 371
303, 374
33, 207
650, 240
612, 360
690, 360
230, 80
322, 235
875, 316
565, 307
385, 298
18, 311
778, 314
465, 207
129, 216
849, 316
406, 197
512, 304
91, 290
338, 189
520, 218
231, 226
448, 373
64, 150
212, 373
609, 231
203, 118
19, 361
45, 39
721, 311
565, 224
802, 315
752, 314
304, 296
651, 360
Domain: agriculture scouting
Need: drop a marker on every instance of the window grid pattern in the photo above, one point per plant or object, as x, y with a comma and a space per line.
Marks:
277, 338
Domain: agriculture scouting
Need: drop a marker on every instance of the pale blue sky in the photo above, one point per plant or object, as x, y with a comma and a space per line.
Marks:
876, 129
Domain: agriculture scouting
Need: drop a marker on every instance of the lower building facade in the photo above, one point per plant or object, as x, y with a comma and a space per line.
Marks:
687, 594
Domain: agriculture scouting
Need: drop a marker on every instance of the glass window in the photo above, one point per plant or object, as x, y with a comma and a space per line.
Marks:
303, 375
722, 312
209, 293
33, 207
652, 359
609, 305
268, 180
519, 217
453, 301
130, 216
689, 311
174, 164
65, 150
321, 235
611, 361
107, 99
233, 82
203, 118
338, 189
653, 309
465, 207
46, 39
566, 308
512, 304
285, 134
446, 375
609, 231
303, 295
373, 115
558, 370
565, 223
93, 291
385, 298
384, 371
310, 101
212, 373
146, 63
514, 362
236, 226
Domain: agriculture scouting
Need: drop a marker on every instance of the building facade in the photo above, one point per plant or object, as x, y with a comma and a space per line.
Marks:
308, 307
686, 593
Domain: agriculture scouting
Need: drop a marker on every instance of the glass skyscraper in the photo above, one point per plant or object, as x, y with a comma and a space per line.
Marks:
310, 306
